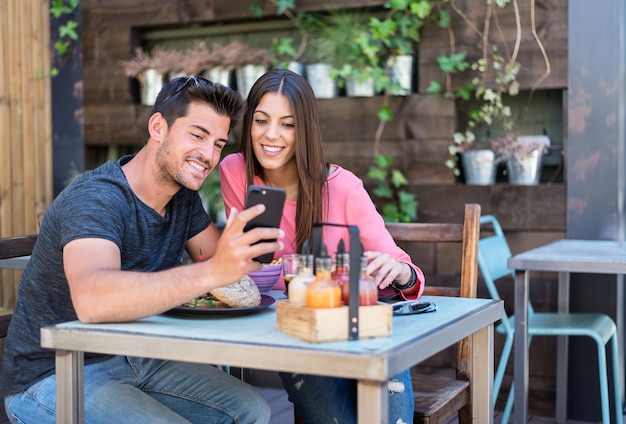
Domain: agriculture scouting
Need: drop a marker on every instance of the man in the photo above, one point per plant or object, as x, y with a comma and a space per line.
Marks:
109, 250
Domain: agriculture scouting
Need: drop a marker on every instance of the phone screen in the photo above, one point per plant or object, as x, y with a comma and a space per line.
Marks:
274, 200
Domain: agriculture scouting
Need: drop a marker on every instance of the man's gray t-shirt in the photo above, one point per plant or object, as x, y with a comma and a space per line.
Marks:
98, 204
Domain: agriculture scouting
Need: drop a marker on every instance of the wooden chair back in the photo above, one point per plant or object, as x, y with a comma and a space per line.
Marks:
437, 398
11, 247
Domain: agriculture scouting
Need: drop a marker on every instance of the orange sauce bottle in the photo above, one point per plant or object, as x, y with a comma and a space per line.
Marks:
323, 292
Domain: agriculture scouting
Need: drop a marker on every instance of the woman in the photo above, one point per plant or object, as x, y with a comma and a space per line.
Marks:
281, 146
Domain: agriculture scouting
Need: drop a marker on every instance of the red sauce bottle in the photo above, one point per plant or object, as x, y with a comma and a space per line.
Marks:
368, 292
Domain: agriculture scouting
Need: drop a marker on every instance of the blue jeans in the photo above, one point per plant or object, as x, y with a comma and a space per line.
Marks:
128, 390
324, 400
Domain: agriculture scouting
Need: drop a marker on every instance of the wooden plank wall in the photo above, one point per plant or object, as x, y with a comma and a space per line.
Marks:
551, 28
25, 123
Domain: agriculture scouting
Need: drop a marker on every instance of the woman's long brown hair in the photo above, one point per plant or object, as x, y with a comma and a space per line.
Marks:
312, 167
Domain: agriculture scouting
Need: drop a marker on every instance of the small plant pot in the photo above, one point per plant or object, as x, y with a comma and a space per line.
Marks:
401, 74
479, 167
219, 75
526, 169
151, 85
318, 75
356, 88
297, 67
247, 76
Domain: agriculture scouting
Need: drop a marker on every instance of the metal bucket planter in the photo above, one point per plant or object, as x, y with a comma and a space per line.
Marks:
479, 167
401, 73
526, 169
356, 88
218, 75
151, 85
247, 76
297, 67
318, 75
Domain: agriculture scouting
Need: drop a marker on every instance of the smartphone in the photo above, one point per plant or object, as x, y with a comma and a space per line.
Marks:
274, 200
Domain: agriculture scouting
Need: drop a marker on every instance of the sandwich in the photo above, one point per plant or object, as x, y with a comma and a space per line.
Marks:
241, 294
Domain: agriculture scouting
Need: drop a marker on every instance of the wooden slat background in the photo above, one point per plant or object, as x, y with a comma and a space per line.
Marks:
25, 124
551, 26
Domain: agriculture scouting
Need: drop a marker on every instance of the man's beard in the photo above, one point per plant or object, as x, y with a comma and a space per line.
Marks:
169, 175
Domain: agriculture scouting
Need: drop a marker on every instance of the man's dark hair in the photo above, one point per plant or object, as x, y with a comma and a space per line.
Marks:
174, 98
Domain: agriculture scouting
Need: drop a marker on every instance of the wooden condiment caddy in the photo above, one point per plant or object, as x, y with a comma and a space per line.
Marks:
335, 324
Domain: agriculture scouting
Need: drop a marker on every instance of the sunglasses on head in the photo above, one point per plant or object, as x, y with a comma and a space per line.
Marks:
196, 82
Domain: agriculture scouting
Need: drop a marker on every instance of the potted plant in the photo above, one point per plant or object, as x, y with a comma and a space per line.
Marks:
478, 160
336, 39
494, 76
253, 63
522, 155
215, 63
150, 68
286, 56
490, 110
222, 59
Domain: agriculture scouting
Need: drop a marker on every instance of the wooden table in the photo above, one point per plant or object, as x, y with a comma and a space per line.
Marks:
562, 256
253, 341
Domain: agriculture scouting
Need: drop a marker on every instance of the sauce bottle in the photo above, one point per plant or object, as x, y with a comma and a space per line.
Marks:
323, 292
298, 286
368, 292
341, 273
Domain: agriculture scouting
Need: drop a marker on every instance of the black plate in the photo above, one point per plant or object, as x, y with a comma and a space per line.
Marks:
266, 301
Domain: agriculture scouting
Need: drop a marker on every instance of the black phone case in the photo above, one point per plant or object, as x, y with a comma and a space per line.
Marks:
274, 200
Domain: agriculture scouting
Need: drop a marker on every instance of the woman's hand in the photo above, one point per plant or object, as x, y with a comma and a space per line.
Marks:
385, 270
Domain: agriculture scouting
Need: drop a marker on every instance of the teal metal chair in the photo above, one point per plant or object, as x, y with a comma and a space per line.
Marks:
493, 255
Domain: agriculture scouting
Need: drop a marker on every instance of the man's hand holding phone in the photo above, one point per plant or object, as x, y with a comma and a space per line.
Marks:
274, 200
235, 249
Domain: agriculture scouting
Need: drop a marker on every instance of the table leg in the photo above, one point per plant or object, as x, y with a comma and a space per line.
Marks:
562, 349
372, 401
482, 375
70, 387
521, 348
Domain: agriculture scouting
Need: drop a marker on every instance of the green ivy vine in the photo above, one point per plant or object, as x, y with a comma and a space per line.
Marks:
68, 32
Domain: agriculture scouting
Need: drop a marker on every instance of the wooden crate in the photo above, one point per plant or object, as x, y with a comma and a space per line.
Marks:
331, 324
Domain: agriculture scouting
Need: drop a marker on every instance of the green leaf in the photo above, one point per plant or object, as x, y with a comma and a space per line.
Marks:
444, 19
434, 87
284, 47
377, 174
383, 161
465, 93
390, 213
383, 191
385, 114
397, 4
255, 9
422, 8
60, 10
61, 46
398, 179
408, 205
283, 5
383, 30
453, 63
69, 30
